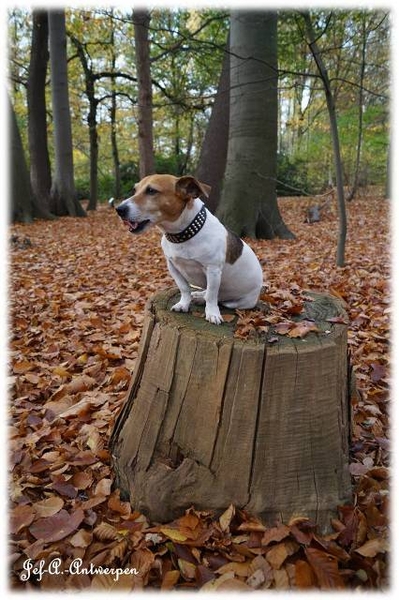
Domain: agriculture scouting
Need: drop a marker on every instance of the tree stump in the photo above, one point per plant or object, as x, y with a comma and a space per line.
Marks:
212, 420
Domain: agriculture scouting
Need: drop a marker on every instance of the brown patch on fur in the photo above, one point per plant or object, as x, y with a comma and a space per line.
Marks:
234, 247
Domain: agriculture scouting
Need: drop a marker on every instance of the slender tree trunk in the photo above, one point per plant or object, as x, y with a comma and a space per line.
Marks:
113, 111
360, 113
212, 162
93, 136
63, 196
248, 204
40, 169
334, 136
141, 20
91, 121
20, 186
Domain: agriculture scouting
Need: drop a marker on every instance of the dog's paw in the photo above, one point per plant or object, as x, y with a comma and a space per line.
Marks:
213, 316
181, 307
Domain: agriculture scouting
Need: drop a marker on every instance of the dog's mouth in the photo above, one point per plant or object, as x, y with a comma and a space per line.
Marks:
136, 226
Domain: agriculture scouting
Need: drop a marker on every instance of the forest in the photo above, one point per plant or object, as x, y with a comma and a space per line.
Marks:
185, 51
286, 115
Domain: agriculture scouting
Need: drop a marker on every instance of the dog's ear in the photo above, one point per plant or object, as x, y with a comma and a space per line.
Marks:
189, 187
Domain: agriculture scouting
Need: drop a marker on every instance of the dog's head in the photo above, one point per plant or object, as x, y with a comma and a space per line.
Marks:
159, 198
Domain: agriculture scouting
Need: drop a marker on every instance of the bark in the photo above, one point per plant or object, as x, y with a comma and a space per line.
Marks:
248, 203
211, 420
334, 137
21, 190
212, 162
40, 169
141, 19
90, 79
355, 185
63, 195
113, 113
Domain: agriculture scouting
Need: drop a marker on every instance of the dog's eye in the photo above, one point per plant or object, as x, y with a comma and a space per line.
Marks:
151, 191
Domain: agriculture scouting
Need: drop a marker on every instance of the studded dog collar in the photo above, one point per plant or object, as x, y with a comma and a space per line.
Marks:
195, 226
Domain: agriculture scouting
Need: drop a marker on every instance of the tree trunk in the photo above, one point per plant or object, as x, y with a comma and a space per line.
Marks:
335, 139
20, 186
113, 110
212, 420
212, 162
40, 169
141, 20
91, 121
63, 196
248, 204
355, 185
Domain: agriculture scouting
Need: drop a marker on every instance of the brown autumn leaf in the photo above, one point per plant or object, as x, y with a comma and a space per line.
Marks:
251, 524
277, 555
58, 526
81, 539
229, 318
241, 569
48, 507
281, 579
275, 534
81, 383
226, 518
169, 580
373, 547
302, 329
304, 575
187, 569
105, 531
325, 568
103, 487
115, 504
82, 480
21, 516
107, 582
283, 328
23, 366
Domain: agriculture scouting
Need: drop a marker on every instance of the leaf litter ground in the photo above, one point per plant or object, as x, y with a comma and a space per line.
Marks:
78, 288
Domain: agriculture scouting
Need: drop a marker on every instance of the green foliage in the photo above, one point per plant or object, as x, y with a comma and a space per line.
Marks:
292, 176
187, 48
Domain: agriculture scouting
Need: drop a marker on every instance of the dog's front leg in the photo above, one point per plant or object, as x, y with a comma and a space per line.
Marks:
212, 312
185, 300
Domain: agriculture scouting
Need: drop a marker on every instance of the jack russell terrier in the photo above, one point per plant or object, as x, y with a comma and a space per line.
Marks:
199, 250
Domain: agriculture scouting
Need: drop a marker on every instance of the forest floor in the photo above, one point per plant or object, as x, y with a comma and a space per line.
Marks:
78, 289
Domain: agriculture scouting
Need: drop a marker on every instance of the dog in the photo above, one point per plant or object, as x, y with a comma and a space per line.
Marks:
199, 250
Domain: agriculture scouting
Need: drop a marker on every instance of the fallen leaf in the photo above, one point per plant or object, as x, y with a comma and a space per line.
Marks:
173, 534
304, 575
302, 329
275, 534
373, 547
325, 568
48, 507
277, 555
81, 539
169, 580
21, 516
226, 518
58, 526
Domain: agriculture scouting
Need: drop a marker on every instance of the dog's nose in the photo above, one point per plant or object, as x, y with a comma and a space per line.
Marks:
122, 210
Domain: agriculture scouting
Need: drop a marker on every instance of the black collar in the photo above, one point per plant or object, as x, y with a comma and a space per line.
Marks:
195, 226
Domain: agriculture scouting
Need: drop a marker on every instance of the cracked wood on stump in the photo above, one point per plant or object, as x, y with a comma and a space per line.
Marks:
211, 420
